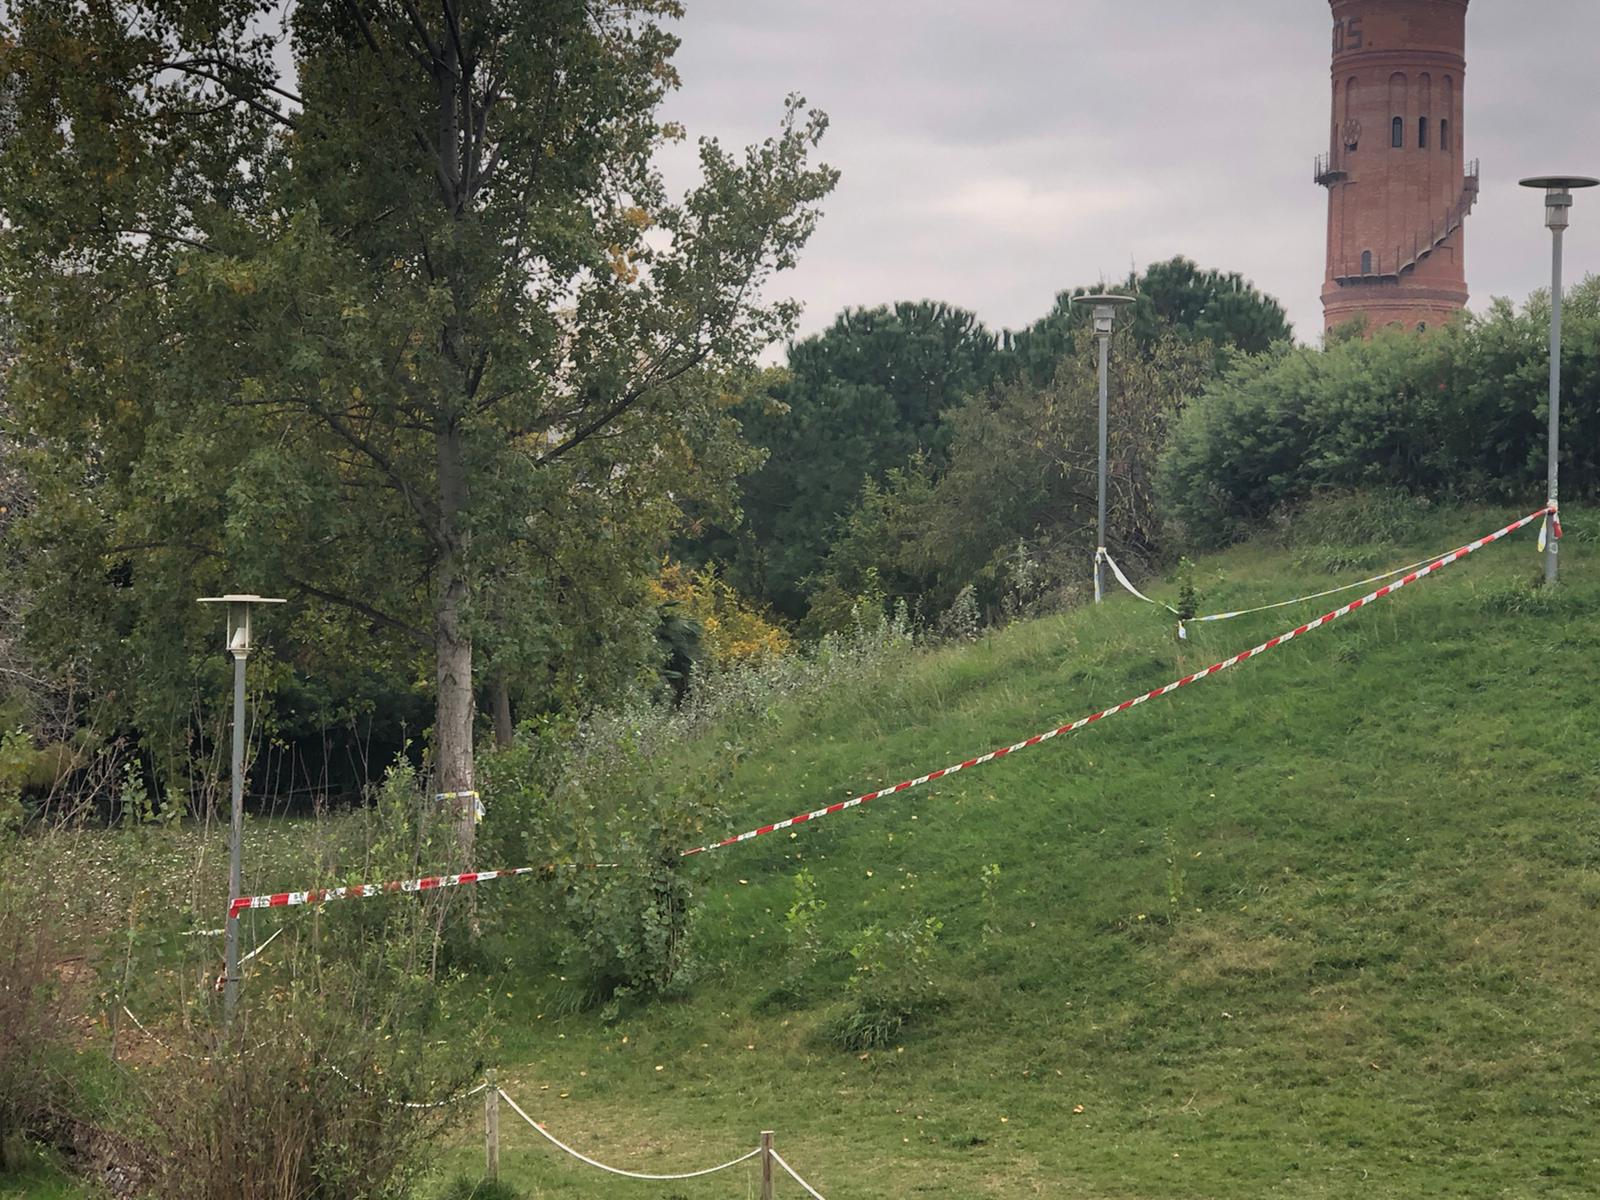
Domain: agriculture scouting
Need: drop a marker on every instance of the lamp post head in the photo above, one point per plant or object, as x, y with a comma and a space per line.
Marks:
1105, 307
1558, 191
239, 618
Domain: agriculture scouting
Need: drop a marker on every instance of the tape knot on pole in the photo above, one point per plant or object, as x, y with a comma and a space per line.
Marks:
1550, 527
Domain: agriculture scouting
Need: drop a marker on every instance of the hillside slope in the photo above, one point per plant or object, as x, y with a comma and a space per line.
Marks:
1319, 926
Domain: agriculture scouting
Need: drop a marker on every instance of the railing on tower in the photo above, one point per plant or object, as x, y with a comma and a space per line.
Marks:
1391, 265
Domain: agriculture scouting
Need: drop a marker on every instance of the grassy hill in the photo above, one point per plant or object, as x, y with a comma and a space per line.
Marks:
1320, 926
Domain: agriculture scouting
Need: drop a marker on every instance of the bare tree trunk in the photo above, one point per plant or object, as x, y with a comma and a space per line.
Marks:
453, 713
504, 731
452, 733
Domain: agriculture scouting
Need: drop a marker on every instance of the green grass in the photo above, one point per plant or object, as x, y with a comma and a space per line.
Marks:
43, 1179
1373, 973
1323, 925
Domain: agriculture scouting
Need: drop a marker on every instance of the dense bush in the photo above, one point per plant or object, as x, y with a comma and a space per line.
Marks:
306, 1096
348, 1018
1458, 413
567, 793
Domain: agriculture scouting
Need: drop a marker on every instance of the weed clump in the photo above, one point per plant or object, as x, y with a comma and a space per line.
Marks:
464, 1187
33, 1023
891, 987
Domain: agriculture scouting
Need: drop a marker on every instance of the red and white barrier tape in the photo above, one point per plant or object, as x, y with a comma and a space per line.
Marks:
1551, 526
1071, 727
360, 891
429, 883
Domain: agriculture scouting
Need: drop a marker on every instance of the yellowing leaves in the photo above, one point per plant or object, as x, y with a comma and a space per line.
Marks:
621, 262
732, 629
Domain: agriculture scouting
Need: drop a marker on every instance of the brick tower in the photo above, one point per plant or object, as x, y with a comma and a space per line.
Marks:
1399, 186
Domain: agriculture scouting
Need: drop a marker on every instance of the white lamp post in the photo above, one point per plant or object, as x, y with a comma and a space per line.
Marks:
1558, 191
239, 646
1105, 307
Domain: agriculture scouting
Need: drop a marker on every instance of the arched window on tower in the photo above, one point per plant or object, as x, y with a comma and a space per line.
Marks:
1444, 133
1422, 133
1397, 133
1366, 262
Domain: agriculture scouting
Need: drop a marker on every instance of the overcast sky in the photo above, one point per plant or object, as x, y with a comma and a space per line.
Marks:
996, 152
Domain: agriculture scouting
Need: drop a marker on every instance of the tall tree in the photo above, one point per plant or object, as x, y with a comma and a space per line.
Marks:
1220, 307
859, 398
396, 335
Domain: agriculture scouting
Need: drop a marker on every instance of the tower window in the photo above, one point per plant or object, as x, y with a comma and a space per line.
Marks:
1366, 262
1444, 133
1397, 133
1422, 133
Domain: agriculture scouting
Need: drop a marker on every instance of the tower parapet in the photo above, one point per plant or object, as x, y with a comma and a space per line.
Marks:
1399, 184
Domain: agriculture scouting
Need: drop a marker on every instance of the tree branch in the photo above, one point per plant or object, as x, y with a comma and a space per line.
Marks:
254, 102
359, 606
227, 65
628, 400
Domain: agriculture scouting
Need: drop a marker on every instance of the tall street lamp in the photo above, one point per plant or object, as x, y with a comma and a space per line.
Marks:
1105, 307
1558, 191
239, 647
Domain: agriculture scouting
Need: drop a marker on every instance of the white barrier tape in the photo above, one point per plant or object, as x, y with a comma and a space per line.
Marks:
200, 1058
583, 1158
1550, 526
418, 1104
170, 1050
795, 1175
1123, 580
1260, 608
1343, 587
477, 802
261, 947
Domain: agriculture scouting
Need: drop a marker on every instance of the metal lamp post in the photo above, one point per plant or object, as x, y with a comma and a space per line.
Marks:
239, 647
1558, 191
1105, 307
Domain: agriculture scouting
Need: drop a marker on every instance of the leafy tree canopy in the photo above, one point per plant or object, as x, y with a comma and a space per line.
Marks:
1222, 308
418, 338
857, 399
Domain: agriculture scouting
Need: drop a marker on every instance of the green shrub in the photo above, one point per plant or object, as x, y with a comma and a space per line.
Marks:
1458, 414
892, 986
306, 1092
623, 928
1354, 519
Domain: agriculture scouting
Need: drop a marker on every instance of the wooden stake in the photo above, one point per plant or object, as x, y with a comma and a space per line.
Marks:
491, 1127
766, 1164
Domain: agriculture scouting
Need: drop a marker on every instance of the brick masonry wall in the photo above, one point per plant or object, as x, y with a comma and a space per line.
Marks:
1393, 59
